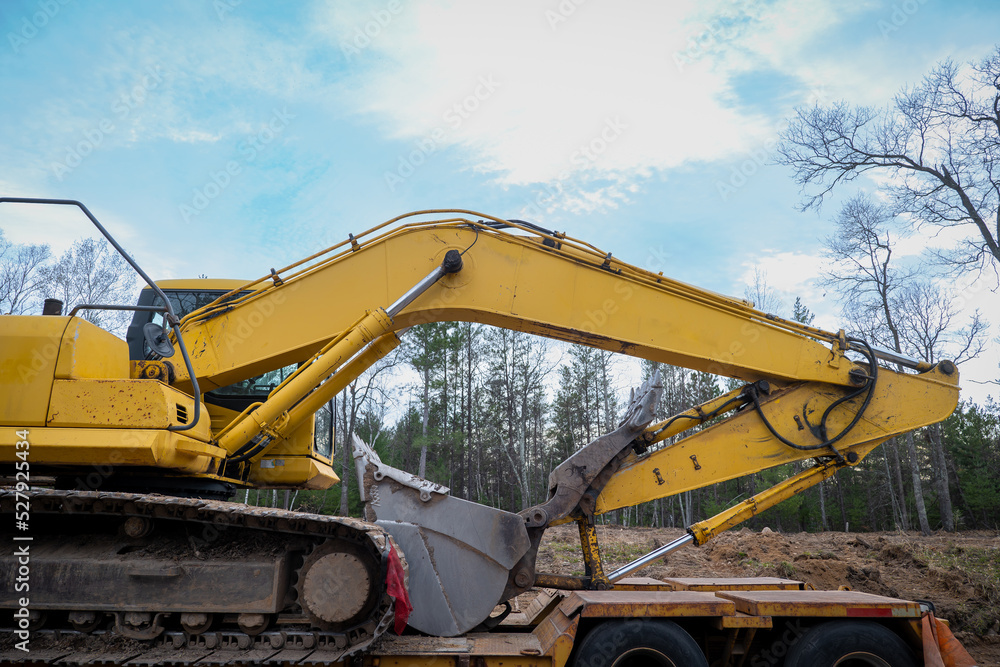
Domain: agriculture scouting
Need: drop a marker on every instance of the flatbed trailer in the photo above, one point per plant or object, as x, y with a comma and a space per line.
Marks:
738, 622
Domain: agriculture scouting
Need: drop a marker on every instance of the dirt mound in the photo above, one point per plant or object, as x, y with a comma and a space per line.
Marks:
958, 572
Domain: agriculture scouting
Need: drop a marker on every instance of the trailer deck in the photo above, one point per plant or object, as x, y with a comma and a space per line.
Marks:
731, 618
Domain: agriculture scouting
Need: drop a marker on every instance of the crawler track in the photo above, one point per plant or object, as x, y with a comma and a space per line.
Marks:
150, 579
276, 647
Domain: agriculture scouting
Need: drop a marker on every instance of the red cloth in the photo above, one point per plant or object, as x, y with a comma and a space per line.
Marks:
396, 585
941, 647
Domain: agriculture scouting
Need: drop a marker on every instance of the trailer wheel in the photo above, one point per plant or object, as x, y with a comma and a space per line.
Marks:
639, 643
850, 644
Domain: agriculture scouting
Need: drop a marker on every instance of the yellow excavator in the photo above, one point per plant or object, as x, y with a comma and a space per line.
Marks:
119, 457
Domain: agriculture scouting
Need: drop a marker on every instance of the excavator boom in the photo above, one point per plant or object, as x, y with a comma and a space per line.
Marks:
545, 284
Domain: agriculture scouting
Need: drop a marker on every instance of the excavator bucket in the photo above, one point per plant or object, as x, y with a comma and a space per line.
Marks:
459, 553
451, 543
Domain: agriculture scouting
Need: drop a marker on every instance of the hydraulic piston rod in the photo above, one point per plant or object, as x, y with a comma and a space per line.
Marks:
701, 532
452, 264
652, 556
257, 429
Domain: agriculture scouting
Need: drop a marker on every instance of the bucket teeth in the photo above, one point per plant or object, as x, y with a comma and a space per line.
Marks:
366, 459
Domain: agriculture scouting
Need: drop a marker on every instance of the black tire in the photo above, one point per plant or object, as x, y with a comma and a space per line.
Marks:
640, 642
850, 644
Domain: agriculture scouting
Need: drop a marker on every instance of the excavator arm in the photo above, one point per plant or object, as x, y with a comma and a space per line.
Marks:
545, 283
338, 311
810, 393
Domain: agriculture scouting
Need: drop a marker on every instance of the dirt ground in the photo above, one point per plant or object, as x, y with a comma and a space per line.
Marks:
958, 572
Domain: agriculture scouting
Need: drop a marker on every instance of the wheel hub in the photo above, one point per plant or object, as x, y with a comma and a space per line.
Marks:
337, 585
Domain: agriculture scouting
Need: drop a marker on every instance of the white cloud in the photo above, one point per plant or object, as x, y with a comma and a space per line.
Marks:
927, 238
193, 136
795, 274
560, 72
599, 93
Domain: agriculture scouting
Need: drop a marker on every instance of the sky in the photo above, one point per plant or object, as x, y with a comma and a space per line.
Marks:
225, 137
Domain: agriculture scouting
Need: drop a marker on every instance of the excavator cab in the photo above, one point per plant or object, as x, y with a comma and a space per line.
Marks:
184, 295
224, 403
187, 296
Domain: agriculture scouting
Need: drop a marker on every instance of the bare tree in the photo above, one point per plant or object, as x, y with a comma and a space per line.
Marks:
893, 308
357, 396
92, 272
925, 316
518, 367
926, 324
861, 250
938, 141
21, 276
762, 295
